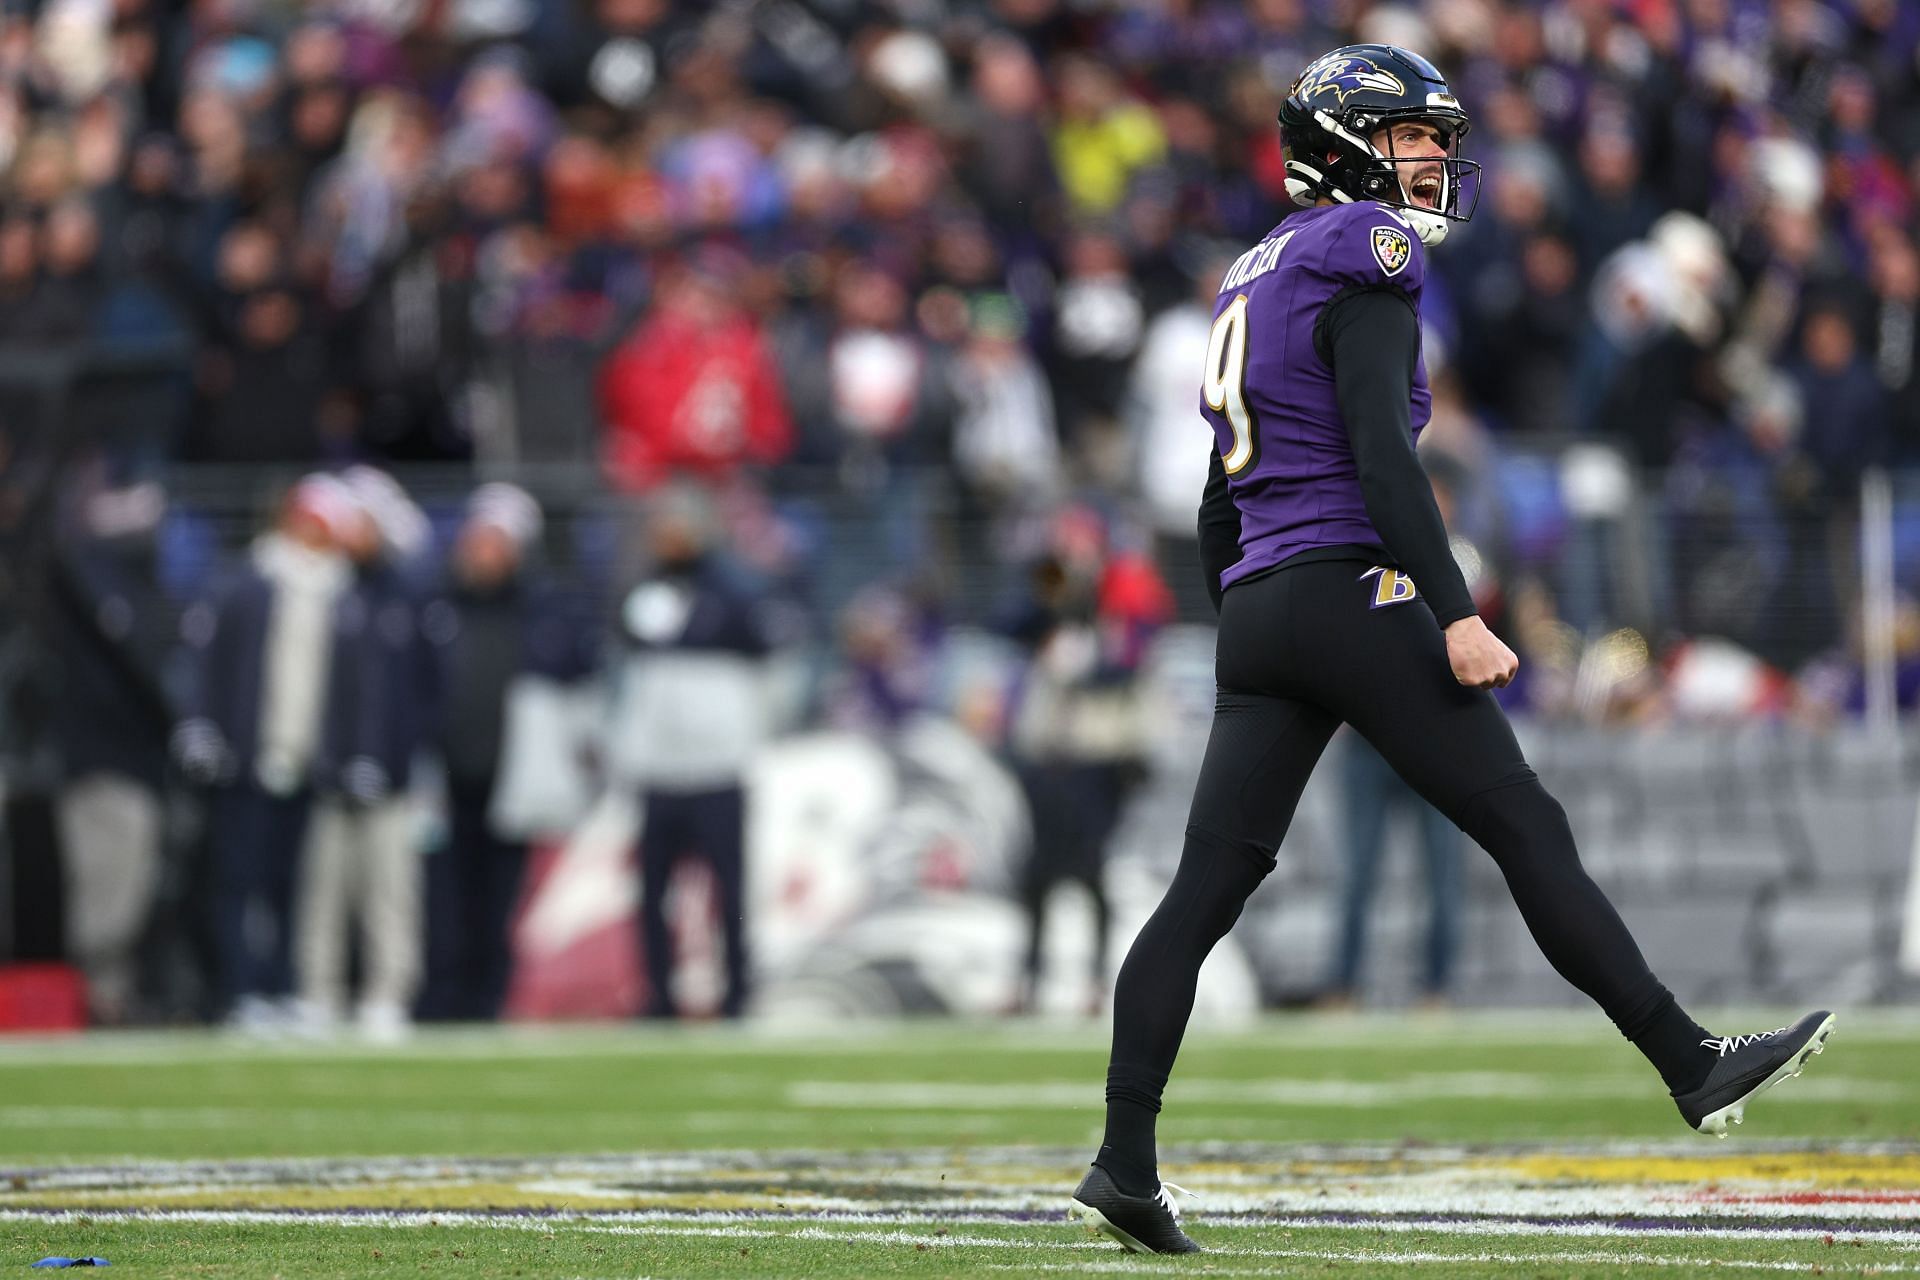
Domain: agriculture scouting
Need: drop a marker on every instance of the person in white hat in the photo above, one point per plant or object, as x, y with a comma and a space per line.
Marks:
260, 648
362, 856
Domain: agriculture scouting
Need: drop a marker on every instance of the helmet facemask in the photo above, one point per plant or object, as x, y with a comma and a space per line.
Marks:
1352, 168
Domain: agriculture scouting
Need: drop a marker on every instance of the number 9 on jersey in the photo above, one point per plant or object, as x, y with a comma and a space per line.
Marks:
1224, 385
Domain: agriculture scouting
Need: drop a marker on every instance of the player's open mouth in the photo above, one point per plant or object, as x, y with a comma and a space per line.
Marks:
1426, 190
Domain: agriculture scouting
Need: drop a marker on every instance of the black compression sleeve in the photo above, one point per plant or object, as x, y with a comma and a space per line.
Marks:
1219, 528
1372, 339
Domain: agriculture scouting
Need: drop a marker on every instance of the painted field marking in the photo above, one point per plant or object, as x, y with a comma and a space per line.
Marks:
1617, 1192
1681, 1179
1683, 1159
865, 1226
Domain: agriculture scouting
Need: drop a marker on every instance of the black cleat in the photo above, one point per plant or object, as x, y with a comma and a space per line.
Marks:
1747, 1067
1141, 1224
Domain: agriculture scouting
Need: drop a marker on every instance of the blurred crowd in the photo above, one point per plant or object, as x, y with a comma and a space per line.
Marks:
861, 241
941, 269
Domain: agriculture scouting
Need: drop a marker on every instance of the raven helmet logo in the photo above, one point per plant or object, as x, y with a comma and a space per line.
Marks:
1391, 249
1345, 77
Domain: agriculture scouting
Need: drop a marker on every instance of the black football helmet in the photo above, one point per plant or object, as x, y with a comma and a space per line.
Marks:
1330, 116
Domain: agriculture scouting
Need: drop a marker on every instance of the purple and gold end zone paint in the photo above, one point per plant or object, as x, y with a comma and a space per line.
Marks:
1870, 1193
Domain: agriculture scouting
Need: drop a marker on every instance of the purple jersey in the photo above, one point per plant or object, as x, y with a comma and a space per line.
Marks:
1268, 393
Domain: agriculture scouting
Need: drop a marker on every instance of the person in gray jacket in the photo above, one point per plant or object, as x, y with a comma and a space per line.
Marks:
691, 709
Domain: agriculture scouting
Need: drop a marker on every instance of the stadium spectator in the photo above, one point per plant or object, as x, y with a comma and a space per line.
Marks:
361, 863
414, 342
1611, 204
499, 622
694, 389
1370, 793
19, 273
872, 412
1078, 730
1098, 323
264, 372
1008, 164
885, 672
1896, 336
1103, 135
113, 717
864, 396
546, 316
613, 52
1169, 451
1658, 315
261, 647
1848, 432
1006, 451
1521, 305
65, 307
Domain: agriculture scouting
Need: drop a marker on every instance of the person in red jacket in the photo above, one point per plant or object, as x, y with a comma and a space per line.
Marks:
693, 388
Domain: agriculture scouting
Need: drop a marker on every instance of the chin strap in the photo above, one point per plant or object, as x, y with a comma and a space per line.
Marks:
1430, 227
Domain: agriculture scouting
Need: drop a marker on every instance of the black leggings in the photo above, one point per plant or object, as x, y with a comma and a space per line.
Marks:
1301, 651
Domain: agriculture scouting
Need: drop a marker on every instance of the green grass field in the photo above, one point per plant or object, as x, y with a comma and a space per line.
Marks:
1523, 1145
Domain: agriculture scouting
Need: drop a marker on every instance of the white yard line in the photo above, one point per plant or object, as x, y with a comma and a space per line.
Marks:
808, 1227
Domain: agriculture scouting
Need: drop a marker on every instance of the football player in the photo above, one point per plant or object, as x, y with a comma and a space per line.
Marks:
1340, 602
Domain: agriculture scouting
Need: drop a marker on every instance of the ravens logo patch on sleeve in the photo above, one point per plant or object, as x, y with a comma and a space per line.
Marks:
1391, 249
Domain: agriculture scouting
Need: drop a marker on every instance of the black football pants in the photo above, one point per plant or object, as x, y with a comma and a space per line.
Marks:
1302, 650
710, 826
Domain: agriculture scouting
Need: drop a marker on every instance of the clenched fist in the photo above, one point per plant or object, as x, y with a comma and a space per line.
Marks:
1480, 659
